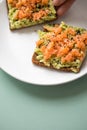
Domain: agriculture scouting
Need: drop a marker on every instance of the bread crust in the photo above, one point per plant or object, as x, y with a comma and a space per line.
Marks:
35, 61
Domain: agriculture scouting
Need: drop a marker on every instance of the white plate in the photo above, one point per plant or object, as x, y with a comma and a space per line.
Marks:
16, 49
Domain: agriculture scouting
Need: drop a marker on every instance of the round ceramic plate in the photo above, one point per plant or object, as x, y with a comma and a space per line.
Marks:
17, 47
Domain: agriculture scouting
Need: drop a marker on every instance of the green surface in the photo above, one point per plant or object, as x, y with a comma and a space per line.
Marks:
30, 107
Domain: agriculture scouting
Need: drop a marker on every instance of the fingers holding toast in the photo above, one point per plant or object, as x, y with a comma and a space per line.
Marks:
62, 6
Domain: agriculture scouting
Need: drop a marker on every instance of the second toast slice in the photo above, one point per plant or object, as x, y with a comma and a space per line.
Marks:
61, 47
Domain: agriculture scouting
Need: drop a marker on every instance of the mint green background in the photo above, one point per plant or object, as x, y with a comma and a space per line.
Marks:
29, 107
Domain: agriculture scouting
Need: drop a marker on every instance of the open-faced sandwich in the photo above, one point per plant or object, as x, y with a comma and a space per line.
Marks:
24, 13
61, 47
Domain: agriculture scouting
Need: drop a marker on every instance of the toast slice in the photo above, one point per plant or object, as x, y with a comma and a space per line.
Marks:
61, 47
24, 13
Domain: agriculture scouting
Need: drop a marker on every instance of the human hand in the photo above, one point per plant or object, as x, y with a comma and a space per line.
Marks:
62, 6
